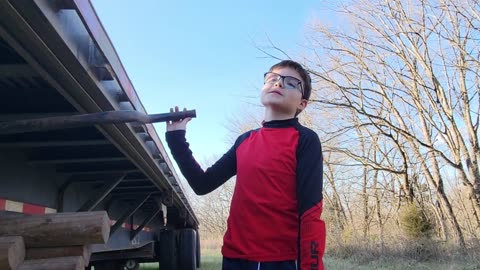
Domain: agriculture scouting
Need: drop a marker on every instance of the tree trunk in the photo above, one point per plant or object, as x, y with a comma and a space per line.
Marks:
365, 205
62, 263
12, 252
55, 230
453, 220
475, 212
68, 251
339, 209
437, 209
378, 207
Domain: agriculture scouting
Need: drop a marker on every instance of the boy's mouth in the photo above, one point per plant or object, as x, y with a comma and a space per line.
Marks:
275, 92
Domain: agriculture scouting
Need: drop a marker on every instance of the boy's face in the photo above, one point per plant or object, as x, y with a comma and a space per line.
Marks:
283, 98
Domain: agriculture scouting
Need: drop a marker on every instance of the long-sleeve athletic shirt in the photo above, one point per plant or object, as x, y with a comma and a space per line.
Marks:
277, 201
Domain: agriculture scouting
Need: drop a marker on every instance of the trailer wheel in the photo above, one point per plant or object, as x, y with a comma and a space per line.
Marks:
198, 250
187, 249
168, 251
132, 265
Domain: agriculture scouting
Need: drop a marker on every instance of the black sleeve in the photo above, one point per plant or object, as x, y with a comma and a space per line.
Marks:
309, 171
309, 195
202, 182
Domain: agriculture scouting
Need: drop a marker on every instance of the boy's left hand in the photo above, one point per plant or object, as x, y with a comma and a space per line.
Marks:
180, 124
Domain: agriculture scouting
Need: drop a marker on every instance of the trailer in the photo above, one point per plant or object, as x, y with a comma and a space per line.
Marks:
57, 62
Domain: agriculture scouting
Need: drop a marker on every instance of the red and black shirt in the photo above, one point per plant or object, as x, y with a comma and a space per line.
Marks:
277, 202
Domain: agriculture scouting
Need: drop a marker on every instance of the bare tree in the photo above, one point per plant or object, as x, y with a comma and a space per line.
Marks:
408, 71
213, 209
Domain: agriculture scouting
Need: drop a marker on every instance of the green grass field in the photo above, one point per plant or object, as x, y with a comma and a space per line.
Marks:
214, 262
209, 262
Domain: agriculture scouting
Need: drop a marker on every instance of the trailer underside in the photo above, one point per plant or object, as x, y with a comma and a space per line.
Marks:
57, 60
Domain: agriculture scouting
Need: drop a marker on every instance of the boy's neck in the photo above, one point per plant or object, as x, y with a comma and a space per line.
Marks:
271, 115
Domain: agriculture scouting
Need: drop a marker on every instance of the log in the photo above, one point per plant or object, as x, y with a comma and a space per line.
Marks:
53, 252
56, 230
12, 252
62, 263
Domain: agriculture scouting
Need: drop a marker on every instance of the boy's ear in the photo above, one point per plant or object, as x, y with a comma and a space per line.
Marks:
302, 105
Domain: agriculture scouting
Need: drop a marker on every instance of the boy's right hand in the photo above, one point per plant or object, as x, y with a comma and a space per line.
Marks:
178, 125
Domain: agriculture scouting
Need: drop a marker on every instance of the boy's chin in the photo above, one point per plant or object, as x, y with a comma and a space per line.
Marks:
271, 102
277, 107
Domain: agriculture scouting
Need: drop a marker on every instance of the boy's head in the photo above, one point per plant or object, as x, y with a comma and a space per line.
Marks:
287, 87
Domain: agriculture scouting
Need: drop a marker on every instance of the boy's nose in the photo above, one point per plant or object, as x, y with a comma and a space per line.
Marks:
278, 83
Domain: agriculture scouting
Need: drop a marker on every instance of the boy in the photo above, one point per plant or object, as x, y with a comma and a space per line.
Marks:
274, 221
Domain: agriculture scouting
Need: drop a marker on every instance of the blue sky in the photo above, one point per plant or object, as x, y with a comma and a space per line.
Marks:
202, 55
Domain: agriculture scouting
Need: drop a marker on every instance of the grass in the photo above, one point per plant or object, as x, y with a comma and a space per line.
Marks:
345, 264
213, 261
210, 261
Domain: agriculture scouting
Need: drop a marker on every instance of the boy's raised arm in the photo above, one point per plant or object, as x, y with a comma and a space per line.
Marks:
202, 182
309, 195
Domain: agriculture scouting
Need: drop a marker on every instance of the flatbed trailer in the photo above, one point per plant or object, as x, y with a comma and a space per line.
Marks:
56, 60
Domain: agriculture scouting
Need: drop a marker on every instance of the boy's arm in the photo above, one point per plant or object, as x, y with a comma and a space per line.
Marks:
202, 182
309, 195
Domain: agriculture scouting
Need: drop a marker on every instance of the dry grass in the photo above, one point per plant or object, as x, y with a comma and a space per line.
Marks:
386, 264
399, 254
210, 261
214, 262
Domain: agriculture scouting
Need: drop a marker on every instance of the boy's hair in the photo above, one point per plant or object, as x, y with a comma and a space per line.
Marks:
307, 85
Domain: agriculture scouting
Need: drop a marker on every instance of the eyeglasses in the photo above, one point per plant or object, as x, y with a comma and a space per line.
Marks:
288, 82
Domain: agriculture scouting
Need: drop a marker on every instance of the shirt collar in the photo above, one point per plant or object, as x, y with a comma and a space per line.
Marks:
280, 123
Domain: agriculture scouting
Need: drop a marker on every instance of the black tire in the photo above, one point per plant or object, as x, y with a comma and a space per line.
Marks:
168, 251
187, 249
132, 265
199, 255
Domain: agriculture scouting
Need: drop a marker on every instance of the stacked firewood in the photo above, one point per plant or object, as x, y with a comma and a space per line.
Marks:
51, 241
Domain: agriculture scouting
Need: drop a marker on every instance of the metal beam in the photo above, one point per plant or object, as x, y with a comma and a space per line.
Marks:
22, 116
35, 144
101, 177
89, 181
124, 181
147, 252
138, 127
16, 71
61, 195
96, 199
153, 188
62, 189
163, 207
127, 214
119, 193
133, 180
135, 232
102, 172
76, 160
126, 195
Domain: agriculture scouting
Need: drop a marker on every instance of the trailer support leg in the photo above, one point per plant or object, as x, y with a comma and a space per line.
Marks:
135, 232
127, 214
97, 198
61, 195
